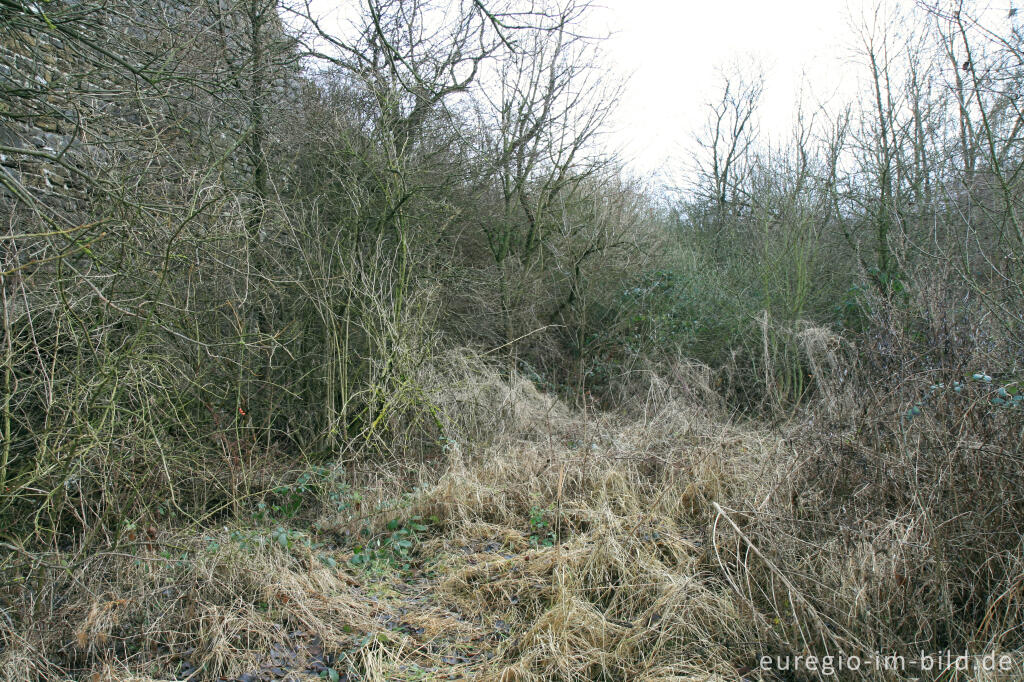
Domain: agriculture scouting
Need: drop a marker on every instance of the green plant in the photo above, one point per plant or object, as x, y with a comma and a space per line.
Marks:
393, 547
541, 532
1004, 397
318, 484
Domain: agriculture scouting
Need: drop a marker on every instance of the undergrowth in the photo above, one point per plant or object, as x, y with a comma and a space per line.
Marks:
661, 541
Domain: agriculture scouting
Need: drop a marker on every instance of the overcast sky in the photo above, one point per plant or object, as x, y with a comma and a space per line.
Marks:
672, 48
670, 53
807, 49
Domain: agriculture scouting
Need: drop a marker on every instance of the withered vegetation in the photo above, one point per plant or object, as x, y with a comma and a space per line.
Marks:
351, 352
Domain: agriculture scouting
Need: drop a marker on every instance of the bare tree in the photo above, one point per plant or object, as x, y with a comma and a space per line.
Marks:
726, 140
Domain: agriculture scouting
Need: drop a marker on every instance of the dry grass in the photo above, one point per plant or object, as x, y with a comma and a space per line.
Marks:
624, 591
662, 543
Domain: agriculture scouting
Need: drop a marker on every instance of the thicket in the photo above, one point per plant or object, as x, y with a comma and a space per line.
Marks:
245, 254
894, 220
247, 237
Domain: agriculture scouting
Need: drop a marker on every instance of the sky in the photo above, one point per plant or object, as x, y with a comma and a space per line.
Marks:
670, 54
673, 50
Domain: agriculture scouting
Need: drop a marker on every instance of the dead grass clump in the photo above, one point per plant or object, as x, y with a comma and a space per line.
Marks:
832, 363
896, 533
662, 544
675, 457
572, 639
216, 603
644, 390
616, 582
481, 404
21, 660
625, 599
684, 545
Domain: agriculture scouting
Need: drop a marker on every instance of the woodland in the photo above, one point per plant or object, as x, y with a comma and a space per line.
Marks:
352, 350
